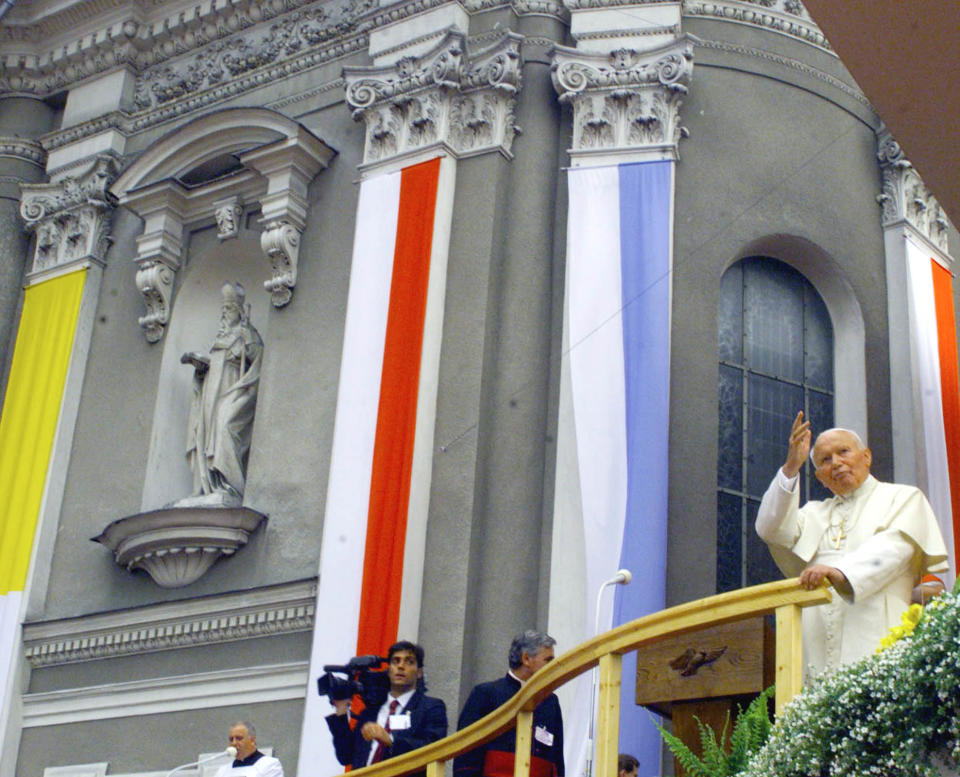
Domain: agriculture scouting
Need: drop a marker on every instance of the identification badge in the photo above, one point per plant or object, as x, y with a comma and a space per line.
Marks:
543, 736
400, 722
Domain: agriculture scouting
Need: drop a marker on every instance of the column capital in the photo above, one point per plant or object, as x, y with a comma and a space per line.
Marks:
625, 101
445, 100
904, 197
71, 217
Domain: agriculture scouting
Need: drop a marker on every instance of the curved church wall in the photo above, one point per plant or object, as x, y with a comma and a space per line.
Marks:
781, 161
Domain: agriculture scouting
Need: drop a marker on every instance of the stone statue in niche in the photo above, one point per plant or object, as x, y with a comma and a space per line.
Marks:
224, 402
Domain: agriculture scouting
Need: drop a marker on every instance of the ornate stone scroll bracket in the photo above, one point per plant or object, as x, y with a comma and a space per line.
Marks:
625, 101
155, 282
162, 207
443, 99
177, 545
71, 217
289, 165
281, 243
904, 197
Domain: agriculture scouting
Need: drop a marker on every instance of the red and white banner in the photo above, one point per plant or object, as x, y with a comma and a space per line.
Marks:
934, 345
374, 531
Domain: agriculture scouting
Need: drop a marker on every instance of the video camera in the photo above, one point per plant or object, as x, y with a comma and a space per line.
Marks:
372, 686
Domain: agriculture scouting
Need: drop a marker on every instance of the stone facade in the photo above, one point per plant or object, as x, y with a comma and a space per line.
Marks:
178, 145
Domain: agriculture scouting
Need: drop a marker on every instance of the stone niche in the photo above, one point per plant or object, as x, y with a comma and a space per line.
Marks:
230, 189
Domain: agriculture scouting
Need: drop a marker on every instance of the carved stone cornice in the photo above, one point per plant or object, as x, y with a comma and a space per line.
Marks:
71, 217
787, 17
788, 62
624, 101
442, 98
576, 5
25, 150
281, 609
219, 61
904, 197
553, 8
50, 57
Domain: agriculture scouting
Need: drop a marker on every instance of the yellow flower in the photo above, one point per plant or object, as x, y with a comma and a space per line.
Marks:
912, 617
909, 621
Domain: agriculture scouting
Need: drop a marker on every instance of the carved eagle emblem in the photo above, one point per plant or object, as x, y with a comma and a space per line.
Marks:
688, 662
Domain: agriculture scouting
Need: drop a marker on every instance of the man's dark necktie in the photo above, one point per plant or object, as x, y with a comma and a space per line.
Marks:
382, 748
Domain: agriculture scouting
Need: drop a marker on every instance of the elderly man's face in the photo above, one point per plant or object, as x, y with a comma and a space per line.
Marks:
841, 464
532, 663
240, 738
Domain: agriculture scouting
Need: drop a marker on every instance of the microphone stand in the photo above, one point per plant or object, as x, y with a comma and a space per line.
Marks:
231, 751
622, 577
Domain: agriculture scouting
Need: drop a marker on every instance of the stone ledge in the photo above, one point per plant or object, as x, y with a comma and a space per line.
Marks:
226, 688
281, 609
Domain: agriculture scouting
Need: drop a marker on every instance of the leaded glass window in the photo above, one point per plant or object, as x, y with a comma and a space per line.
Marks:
775, 344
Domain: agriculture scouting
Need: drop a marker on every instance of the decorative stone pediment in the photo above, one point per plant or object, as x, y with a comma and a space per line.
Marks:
624, 101
904, 197
71, 217
257, 155
441, 99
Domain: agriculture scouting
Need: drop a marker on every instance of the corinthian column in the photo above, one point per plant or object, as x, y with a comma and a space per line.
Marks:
21, 161
624, 83
424, 106
924, 400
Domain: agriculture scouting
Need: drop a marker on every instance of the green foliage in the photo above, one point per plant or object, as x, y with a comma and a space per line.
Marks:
749, 734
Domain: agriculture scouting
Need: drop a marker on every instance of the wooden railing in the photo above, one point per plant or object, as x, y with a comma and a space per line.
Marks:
784, 599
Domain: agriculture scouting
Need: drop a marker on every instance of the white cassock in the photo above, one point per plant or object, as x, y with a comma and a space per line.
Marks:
883, 537
265, 766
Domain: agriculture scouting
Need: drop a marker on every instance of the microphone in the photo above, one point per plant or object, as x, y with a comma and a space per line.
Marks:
622, 577
230, 751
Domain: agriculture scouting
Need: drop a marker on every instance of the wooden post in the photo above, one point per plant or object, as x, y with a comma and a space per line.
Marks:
789, 655
608, 715
521, 761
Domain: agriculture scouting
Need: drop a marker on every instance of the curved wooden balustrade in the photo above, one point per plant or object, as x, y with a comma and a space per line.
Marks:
784, 599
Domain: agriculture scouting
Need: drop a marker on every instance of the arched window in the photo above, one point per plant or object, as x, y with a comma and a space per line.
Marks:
776, 357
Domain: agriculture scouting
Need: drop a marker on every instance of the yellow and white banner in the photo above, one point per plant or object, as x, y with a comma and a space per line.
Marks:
28, 425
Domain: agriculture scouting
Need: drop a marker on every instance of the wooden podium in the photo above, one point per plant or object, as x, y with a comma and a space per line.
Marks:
706, 674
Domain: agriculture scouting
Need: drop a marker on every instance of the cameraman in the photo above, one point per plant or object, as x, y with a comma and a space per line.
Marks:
408, 719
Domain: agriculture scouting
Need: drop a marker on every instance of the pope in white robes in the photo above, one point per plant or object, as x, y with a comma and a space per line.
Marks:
873, 541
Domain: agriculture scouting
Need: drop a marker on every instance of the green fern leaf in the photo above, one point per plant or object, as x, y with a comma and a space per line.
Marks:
692, 765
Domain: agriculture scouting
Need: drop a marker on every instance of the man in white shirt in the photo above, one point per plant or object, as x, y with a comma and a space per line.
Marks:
406, 720
249, 762
872, 541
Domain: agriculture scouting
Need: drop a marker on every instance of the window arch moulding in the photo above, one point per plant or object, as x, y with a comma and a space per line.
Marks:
206, 171
849, 332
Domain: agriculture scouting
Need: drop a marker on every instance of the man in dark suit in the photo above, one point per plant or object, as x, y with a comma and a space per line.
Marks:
528, 652
408, 719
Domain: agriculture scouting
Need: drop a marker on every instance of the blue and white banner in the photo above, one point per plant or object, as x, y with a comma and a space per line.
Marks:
612, 460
